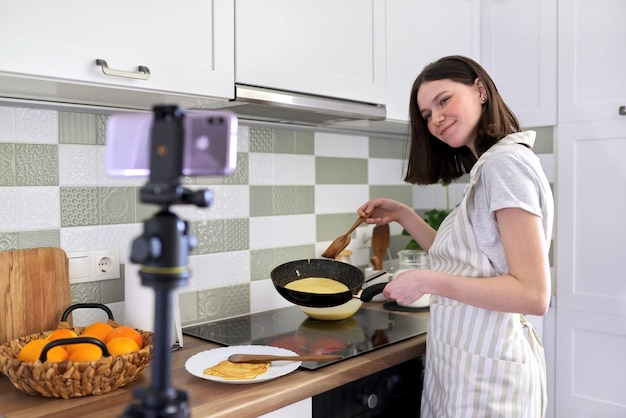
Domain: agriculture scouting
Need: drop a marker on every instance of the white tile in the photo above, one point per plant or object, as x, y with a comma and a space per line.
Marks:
8, 209
76, 165
340, 198
104, 180
229, 202
221, 270
38, 208
382, 171
338, 145
120, 237
281, 231
293, 169
243, 139
79, 238
36, 126
264, 296
261, 168
7, 124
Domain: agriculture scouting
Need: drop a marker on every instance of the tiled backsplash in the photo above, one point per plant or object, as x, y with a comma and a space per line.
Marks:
293, 192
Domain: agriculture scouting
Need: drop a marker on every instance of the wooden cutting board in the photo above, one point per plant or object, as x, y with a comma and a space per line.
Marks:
34, 291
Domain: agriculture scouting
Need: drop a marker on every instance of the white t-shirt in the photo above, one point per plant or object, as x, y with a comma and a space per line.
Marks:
512, 177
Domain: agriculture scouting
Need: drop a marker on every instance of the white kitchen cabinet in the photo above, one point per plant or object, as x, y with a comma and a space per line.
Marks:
592, 58
518, 50
321, 47
420, 32
591, 290
49, 50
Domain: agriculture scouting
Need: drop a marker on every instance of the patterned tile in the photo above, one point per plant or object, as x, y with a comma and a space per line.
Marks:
8, 241
223, 302
235, 234
101, 124
38, 239
261, 139
76, 165
8, 208
7, 165
210, 236
116, 205
36, 165
36, 126
79, 206
188, 302
7, 124
38, 208
77, 128
88, 292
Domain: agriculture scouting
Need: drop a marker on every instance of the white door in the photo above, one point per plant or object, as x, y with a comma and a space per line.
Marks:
518, 49
591, 279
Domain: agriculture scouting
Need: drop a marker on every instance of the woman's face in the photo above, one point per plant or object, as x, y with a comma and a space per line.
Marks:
452, 110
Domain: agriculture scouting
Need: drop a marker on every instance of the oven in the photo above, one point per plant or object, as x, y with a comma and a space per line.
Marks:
393, 392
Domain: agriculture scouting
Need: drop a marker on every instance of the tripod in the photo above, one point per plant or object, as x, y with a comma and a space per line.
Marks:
163, 251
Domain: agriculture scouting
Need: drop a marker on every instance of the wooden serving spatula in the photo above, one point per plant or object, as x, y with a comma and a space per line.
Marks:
380, 243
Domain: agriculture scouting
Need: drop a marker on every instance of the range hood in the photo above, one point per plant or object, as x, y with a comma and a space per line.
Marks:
262, 104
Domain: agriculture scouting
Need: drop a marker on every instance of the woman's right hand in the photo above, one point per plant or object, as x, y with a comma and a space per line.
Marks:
383, 211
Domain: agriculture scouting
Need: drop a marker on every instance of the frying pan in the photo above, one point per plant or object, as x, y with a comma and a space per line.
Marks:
342, 272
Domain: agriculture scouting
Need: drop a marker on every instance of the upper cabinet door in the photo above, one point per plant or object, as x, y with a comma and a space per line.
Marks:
321, 47
154, 46
592, 59
518, 50
420, 32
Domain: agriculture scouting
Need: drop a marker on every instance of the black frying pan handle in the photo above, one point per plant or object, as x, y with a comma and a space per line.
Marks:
369, 292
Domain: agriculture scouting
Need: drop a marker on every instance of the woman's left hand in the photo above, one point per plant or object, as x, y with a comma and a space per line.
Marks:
407, 287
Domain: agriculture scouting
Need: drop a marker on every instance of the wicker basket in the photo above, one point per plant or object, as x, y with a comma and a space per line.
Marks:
69, 379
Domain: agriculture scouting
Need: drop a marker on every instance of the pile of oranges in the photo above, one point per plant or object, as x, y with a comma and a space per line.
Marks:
119, 340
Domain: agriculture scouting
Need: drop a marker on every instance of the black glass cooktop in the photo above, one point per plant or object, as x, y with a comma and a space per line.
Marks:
366, 330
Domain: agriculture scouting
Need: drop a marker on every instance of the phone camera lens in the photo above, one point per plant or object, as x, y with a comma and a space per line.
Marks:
215, 120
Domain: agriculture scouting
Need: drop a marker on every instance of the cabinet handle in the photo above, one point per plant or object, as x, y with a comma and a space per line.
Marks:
622, 110
143, 74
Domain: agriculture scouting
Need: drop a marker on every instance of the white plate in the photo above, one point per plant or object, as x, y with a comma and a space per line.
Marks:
198, 362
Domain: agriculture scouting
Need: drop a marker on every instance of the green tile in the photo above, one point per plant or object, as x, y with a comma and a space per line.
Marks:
77, 128
263, 261
101, 122
305, 199
329, 170
37, 165
261, 201
387, 148
305, 142
328, 225
116, 205
210, 235
87, 292
239, 176
284, 141
260, 139
7, 165
79, 206
223, 302
400, 193
38, 239
188, 302
113, 290
236, 233
8, 241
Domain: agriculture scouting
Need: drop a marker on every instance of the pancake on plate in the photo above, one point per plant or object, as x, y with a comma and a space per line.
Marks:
228, 370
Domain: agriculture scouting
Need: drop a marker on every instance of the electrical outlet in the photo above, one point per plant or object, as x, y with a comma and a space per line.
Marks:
363, 236
106, 264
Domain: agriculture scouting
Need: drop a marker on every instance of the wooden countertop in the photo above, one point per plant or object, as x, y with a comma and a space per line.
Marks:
212, 399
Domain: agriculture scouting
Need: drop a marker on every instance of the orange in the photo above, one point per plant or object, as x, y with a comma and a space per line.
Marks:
98, 330
59, 333
56, 354
86, 352
122, 345
31, 351
125, 331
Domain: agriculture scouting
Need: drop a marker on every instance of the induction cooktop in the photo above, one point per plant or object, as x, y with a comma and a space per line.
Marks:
368, 329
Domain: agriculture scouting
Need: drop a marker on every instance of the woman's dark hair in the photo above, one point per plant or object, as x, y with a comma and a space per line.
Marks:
431, 160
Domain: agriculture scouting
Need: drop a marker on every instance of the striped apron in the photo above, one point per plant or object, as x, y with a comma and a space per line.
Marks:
479, 363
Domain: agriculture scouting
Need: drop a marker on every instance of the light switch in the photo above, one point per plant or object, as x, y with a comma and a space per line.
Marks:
79, 266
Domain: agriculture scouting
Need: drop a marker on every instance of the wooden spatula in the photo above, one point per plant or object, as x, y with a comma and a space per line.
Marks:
342, 241
262, 358
380, 243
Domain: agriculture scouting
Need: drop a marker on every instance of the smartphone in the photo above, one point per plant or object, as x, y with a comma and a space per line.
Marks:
210, 144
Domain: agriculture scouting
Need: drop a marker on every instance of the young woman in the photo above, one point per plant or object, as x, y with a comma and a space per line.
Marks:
489, 258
